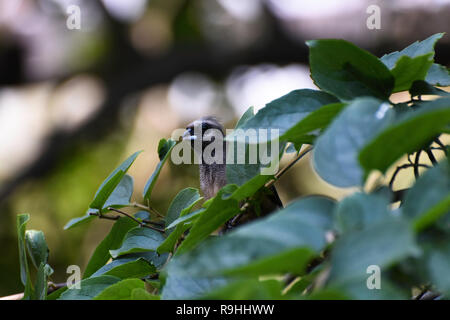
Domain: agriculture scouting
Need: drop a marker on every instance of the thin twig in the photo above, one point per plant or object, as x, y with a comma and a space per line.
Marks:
290, 164
159, 224
431, 156
149, 209
136, 220
441, 145
102, 216
416, 164
397, 170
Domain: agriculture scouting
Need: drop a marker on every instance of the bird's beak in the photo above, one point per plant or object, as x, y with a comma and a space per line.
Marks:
187, 136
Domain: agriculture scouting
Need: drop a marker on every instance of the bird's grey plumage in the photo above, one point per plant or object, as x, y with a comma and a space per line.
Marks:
213, 175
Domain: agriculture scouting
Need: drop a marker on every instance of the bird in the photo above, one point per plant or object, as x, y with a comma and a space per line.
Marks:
212, 174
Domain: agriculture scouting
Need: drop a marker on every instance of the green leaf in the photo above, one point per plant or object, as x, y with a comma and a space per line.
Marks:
22, 220
139, 239
429, 198
89, 288
336, 151
189, 217
126, 267
409, 133
133, 265
37, 247
182, 204
319, 119
360, 211
219, 211
422, 88
438, 75
438, 264
112, 241
182, 224
121, 195
239, 173
224, 206
44, 271
418, 48
75, 222
185, 287
284, 113
381, 244
184, 201
248, 289
407, 70
142, 294
357, 290
282, 242
413, 63
346, 71
108, 186
247, 115
121, 290
164, 148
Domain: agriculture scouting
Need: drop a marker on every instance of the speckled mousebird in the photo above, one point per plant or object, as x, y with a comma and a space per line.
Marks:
213, 175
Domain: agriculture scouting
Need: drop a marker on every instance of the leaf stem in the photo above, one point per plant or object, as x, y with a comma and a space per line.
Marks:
149, 209
289, 165
135, 220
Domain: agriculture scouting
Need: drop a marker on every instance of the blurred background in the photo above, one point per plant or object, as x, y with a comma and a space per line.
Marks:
74, 103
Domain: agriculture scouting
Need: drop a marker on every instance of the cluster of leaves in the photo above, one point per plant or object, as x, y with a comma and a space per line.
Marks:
316, 247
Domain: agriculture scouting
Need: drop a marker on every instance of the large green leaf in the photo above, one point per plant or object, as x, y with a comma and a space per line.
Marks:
185, 287
408, 134
418, 48
180, 209
357, 290
164, 148
240, 173
112, 241
301, 132
127, 267
123, 290
89, 288
248, 289
37, 247
412, 63
218, 212
438, 265
181, 225
381, 244
121, 195
182, 204
438, 75
359, 211
139, 239
224, 206
108, 186
285, 112
407, 70
336, 152
282, 242
346, 71
429, 198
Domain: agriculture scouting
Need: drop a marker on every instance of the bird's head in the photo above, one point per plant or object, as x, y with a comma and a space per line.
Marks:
204, 131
